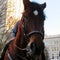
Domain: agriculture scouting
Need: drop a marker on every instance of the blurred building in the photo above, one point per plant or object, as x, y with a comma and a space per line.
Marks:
52, 44
10, 13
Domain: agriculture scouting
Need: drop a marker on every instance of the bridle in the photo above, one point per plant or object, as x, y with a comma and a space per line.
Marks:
27, 36
32, 32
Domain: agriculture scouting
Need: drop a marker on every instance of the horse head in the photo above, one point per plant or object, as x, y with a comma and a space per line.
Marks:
33, 18
33, 27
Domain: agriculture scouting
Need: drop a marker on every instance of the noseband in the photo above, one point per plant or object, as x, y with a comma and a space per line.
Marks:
34, 32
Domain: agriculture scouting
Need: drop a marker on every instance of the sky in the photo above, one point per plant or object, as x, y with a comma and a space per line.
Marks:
52, 12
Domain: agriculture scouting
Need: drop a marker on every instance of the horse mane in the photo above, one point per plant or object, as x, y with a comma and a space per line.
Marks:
20, 36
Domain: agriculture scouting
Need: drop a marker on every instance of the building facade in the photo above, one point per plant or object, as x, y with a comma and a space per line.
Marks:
52, 44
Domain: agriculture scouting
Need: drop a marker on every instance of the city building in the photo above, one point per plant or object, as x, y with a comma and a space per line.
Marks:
52, 46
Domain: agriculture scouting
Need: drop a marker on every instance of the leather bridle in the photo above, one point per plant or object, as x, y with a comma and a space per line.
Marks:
32, 32
27, 36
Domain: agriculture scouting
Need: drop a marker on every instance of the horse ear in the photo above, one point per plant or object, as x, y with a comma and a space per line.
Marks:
43, 6
26, 3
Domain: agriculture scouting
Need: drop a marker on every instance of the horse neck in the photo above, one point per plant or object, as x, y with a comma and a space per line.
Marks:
20, 36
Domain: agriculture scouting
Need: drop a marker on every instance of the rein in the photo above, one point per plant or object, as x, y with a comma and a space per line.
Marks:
19, 56
20, 48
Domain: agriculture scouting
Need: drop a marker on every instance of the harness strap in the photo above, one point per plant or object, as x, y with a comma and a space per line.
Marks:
4, 50
9, 56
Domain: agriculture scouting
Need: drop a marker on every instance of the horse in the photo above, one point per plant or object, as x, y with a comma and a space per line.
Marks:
28, 43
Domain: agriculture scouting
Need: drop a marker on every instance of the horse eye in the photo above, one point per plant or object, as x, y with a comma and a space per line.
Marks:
35, 12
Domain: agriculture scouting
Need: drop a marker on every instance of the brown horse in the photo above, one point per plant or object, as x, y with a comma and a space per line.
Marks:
28, 44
